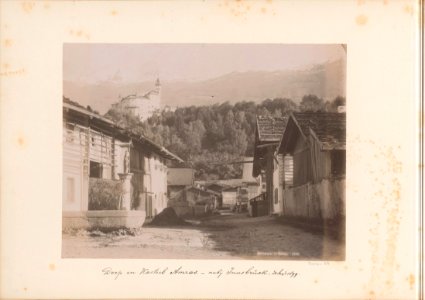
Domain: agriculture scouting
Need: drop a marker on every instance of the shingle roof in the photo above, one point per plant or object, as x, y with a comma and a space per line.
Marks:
270, 129
329, 128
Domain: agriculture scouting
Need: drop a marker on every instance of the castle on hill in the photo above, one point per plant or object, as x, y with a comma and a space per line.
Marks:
142, 106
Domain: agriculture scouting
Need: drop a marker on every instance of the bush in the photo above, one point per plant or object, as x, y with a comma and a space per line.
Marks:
104, 194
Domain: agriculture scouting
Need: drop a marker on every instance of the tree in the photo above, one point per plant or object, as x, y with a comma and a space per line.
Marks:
312, 103
205, 136
338, 101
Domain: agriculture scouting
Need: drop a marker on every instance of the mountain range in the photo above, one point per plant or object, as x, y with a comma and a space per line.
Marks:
327, 81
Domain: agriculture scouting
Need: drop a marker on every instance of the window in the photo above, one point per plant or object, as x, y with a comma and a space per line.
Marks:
69, 138
70, 189
95, 169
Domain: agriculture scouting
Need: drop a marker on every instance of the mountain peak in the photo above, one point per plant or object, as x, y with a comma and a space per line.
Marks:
326, 80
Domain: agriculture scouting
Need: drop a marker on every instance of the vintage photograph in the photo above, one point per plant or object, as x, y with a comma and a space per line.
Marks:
204, 151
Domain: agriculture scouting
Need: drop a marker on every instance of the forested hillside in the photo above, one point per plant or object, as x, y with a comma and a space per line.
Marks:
208, 136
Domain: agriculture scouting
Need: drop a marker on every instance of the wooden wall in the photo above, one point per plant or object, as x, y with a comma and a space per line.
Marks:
80, 146
75, 185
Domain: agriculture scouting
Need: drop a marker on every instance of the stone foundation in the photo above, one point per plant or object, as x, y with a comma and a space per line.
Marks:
103, 219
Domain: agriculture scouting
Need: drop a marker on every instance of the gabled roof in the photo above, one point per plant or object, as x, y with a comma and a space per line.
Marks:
329, 129
180, 176
268, 133
270, 129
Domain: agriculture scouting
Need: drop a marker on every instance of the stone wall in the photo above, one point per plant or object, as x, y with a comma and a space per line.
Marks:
103, 219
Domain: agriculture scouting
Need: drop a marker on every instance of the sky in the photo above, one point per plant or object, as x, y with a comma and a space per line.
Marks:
92, 63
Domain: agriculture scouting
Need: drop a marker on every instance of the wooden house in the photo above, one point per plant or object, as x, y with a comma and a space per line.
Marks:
230, 196
237, 190
268, 133
193, 201
217, 187
202, 201
111, 177
316, 141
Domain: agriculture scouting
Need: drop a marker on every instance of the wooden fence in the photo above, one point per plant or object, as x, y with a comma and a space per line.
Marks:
323, 200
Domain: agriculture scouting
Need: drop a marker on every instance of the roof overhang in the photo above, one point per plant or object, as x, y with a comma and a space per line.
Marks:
290, 134
82, 116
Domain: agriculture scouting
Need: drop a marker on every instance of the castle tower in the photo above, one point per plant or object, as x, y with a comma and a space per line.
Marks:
158, 87
155, 96
145, 105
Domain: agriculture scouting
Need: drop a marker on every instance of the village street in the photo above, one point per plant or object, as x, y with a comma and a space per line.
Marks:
225, 236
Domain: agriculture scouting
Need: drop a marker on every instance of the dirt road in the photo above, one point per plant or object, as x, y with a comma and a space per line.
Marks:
228, 236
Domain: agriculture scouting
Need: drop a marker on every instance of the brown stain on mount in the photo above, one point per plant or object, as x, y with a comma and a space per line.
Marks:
27, 6
408, 9
52, 267
392, 207
388, 192
79, 33
7, 43
361, 20
21, 141
411, 279
243, 8
114, 12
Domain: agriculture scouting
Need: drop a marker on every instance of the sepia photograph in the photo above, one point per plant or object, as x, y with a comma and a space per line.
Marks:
204, 151
262, 149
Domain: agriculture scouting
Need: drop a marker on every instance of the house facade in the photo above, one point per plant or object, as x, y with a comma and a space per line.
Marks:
111, 177
316, 142
201, 201
193, 201
230, 197
268, 133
